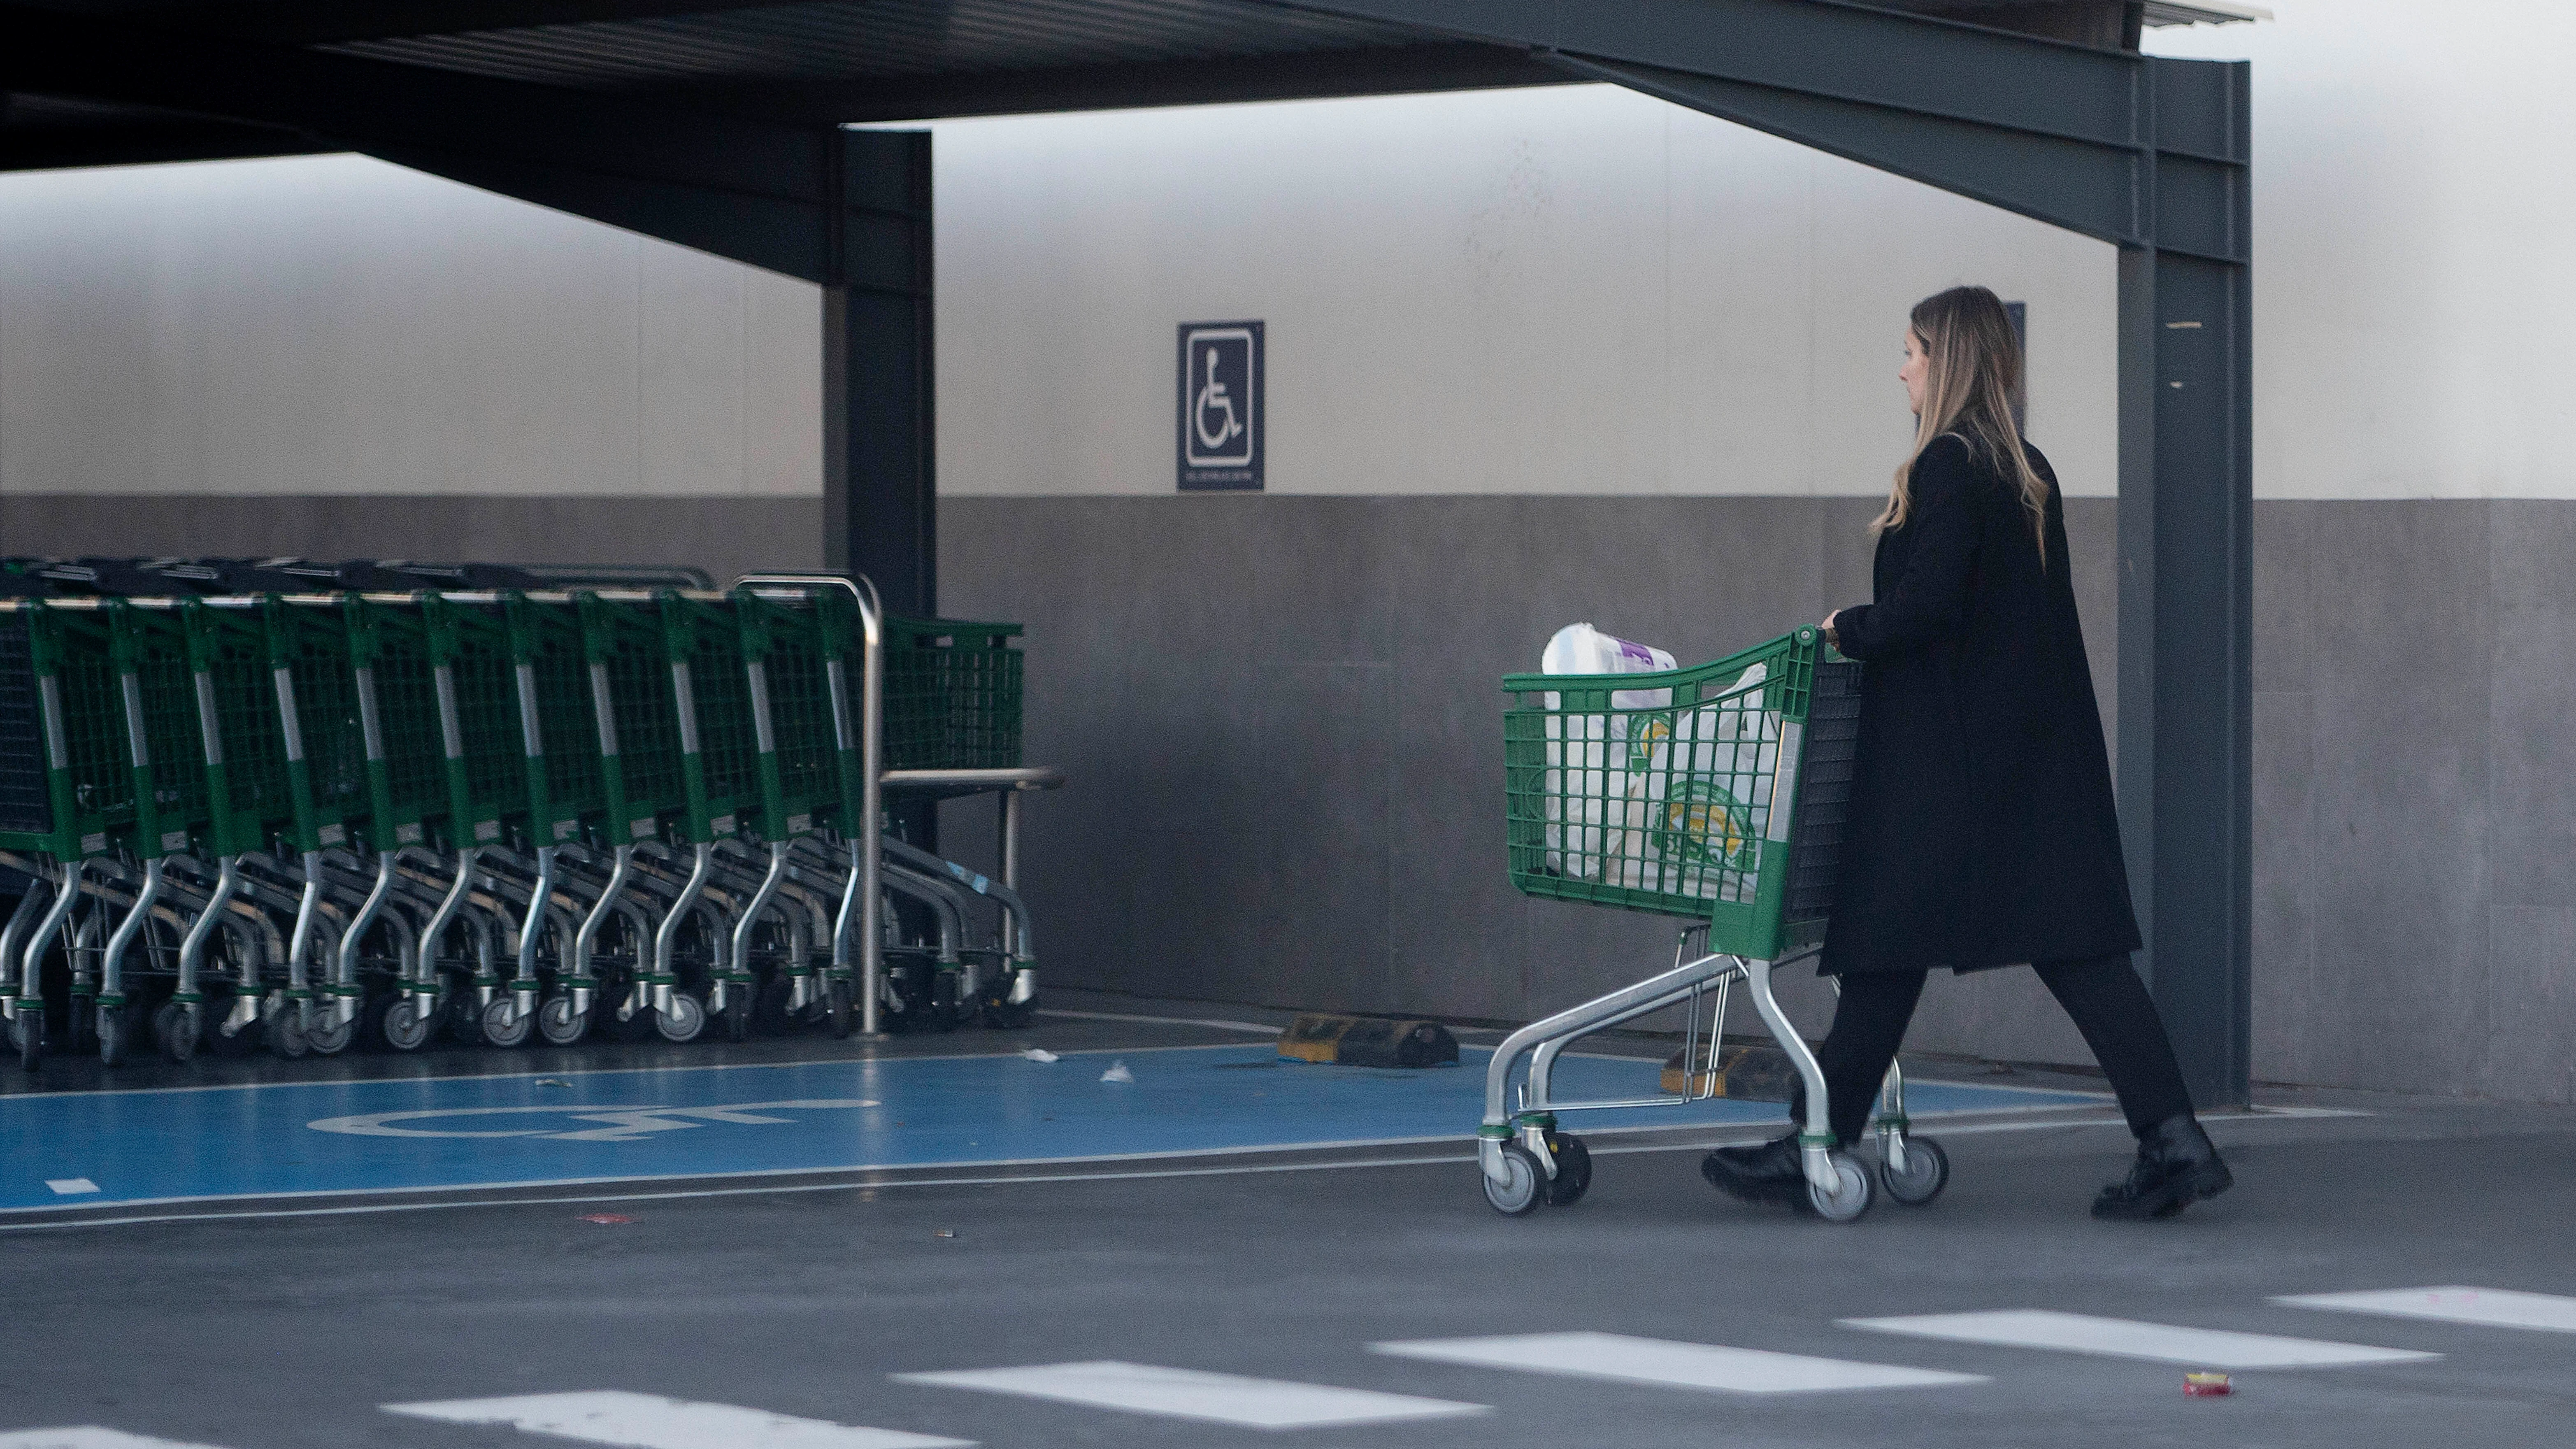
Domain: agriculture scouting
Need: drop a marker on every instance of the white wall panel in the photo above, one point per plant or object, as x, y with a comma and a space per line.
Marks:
335, 325
1573, 290
2414, 190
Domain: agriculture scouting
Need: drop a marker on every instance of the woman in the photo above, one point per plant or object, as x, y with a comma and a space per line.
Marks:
1983, 833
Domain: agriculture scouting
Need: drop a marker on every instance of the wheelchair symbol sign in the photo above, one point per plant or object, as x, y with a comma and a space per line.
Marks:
1221, 405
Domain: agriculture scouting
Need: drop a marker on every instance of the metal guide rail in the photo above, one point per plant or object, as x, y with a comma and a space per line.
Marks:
1716, 794
262, 808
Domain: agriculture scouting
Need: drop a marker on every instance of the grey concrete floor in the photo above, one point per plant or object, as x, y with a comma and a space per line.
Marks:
279, 1333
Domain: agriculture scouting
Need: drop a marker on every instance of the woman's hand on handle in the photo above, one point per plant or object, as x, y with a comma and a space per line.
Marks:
1828, 627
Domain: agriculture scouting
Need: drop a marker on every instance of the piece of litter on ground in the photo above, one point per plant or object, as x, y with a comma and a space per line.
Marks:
1117, 1073
2206, 1386
552, 1082
1041, 1054
945, 1233
70, 1186
606, 1219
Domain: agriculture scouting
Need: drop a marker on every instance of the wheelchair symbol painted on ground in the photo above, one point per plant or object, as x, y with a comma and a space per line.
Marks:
607, 1124
1213, 402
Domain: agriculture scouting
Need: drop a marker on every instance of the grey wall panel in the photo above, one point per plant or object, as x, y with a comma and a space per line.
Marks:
1282, 720
725, 536
2400, 621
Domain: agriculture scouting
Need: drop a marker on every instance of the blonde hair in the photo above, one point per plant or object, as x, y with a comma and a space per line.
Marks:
1969, 388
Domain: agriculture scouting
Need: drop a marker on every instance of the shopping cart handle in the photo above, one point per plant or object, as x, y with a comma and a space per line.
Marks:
1032, 777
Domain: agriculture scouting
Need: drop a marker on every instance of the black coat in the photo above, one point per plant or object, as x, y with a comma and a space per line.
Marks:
1983, 832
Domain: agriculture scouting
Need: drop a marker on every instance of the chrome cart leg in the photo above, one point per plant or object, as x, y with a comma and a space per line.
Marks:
1837, 1188
30, 906
113, 1031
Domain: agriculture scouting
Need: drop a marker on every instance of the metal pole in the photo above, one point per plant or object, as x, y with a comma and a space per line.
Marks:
871, 803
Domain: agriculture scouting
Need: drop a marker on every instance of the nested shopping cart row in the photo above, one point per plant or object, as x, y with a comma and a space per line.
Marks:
307, 819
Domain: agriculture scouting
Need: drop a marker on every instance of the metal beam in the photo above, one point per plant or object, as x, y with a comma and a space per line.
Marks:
1433, 66
750, 190
323, 22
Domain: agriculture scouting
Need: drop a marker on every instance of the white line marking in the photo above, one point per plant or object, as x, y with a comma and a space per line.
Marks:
649, 1421
1253, 1026
2493, 1307
70, 1186
2120, 1338
1672, 1365
87, 1436
1747, 1134
1186, 1394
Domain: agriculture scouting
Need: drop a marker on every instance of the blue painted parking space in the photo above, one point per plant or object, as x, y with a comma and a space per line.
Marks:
194, 1144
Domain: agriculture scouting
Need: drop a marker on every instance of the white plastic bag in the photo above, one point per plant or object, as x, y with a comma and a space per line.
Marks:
1588, 774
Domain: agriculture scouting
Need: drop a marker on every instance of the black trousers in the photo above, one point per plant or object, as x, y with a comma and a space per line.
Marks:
2109, 1004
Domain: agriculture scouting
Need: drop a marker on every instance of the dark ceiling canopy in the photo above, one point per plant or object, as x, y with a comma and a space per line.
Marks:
814, 62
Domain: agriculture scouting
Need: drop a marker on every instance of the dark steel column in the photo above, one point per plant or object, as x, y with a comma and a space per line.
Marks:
2186, 609
880, 499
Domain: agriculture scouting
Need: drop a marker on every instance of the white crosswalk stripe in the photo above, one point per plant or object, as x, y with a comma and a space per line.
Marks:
2120, 1338
2488, 1307
649, 1421
1670, 1364
1188, 1394
87, 1436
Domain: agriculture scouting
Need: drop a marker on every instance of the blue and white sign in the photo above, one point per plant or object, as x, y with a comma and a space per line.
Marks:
1221, 406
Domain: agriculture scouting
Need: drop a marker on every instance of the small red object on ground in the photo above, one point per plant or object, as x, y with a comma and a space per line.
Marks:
2206, 1386
606, 1219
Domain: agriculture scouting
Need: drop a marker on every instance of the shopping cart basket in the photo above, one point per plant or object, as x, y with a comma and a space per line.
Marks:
1715, 794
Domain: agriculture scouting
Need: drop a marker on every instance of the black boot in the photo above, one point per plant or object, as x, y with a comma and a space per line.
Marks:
1766, 1172
2176, 1167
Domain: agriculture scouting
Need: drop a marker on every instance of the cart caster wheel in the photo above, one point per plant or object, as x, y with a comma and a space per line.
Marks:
504, 1025
1927, 1171
210, 1030
329, 1037
84, 1025
1851, 1194
1003, 1014
1523, 1186
285, 1032
1573, 1169
837, 1001
737, 1012
27, 1034
404, 1026
113, 1035
559, 1024
637, 1027
686, 1018
176, 1028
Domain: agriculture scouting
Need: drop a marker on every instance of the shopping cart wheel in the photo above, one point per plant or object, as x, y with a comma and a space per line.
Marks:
331, 1036
285, 1031
559, 1024
212, 1015
176, 1030
686, 1018
464, 1019
1927, 1171
112, 1035
1523, 1186
837, 996
84, 1024
505, 1025
404, 1026
1851, 1195
27, 1034
1573, 1169
737, 1012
